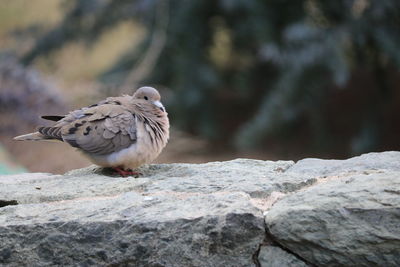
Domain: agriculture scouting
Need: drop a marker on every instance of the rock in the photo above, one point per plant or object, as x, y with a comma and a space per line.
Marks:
235, 213
352, 220
367, 162
173, 215
272, 256
132, 229
256, 178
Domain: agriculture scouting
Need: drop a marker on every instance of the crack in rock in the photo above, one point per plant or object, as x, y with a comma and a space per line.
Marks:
275, 243
255, 256
264, 204
4, 203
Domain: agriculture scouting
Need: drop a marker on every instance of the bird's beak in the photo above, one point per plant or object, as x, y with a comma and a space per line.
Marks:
159, 104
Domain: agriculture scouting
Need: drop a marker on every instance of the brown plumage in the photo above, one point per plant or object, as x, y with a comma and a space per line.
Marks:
121, 132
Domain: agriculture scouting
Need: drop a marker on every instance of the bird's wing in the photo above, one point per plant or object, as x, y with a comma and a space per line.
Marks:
98, 130
79, 113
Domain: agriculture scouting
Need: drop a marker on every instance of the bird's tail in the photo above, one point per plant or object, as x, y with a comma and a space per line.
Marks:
36, 136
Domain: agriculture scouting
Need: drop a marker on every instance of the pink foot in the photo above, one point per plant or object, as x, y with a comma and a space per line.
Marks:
125, 173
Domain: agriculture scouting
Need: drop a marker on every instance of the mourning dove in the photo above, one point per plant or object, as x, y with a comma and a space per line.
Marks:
119, 132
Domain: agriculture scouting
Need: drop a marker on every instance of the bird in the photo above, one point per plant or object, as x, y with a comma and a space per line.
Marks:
121, 133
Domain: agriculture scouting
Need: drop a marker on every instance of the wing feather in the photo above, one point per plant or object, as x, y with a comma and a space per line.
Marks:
102, 130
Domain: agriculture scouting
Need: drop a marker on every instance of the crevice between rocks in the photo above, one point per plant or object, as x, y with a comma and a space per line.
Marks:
255, 255
4, 203
271, 241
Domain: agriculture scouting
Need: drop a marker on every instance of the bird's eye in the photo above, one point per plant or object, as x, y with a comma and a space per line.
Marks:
146, 98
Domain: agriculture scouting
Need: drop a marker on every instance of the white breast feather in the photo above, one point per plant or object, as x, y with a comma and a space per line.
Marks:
141, 152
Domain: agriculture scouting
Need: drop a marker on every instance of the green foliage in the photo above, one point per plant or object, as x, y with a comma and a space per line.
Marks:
244, 71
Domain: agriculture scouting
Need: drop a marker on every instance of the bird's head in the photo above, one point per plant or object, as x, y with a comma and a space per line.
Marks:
150, 95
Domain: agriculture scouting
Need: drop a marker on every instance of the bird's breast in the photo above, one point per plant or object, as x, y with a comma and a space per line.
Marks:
146, 148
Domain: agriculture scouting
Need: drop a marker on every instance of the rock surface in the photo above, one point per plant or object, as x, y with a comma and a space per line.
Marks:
236, 213
273, 256
354, 216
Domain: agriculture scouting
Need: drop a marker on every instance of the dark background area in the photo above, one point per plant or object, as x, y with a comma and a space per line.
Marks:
264, 79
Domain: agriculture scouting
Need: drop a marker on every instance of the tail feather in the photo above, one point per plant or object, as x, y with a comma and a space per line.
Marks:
36, 136
51, 132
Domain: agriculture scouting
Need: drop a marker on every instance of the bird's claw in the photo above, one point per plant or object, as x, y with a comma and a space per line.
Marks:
125, 173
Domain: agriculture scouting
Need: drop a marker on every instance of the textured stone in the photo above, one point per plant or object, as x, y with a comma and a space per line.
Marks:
254, 177
272, 256
367, 162
316, 212
348, 221
173, 215
133, 233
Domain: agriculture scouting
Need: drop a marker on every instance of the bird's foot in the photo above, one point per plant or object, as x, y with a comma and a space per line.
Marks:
125, 173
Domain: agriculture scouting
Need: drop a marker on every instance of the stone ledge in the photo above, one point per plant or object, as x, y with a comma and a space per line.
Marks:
206, 214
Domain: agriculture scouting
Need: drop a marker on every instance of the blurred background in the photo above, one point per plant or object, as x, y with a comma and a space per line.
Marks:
267, 79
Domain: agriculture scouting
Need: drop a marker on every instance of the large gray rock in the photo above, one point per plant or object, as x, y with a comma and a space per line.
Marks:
173, 215
352, 220
235, 213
